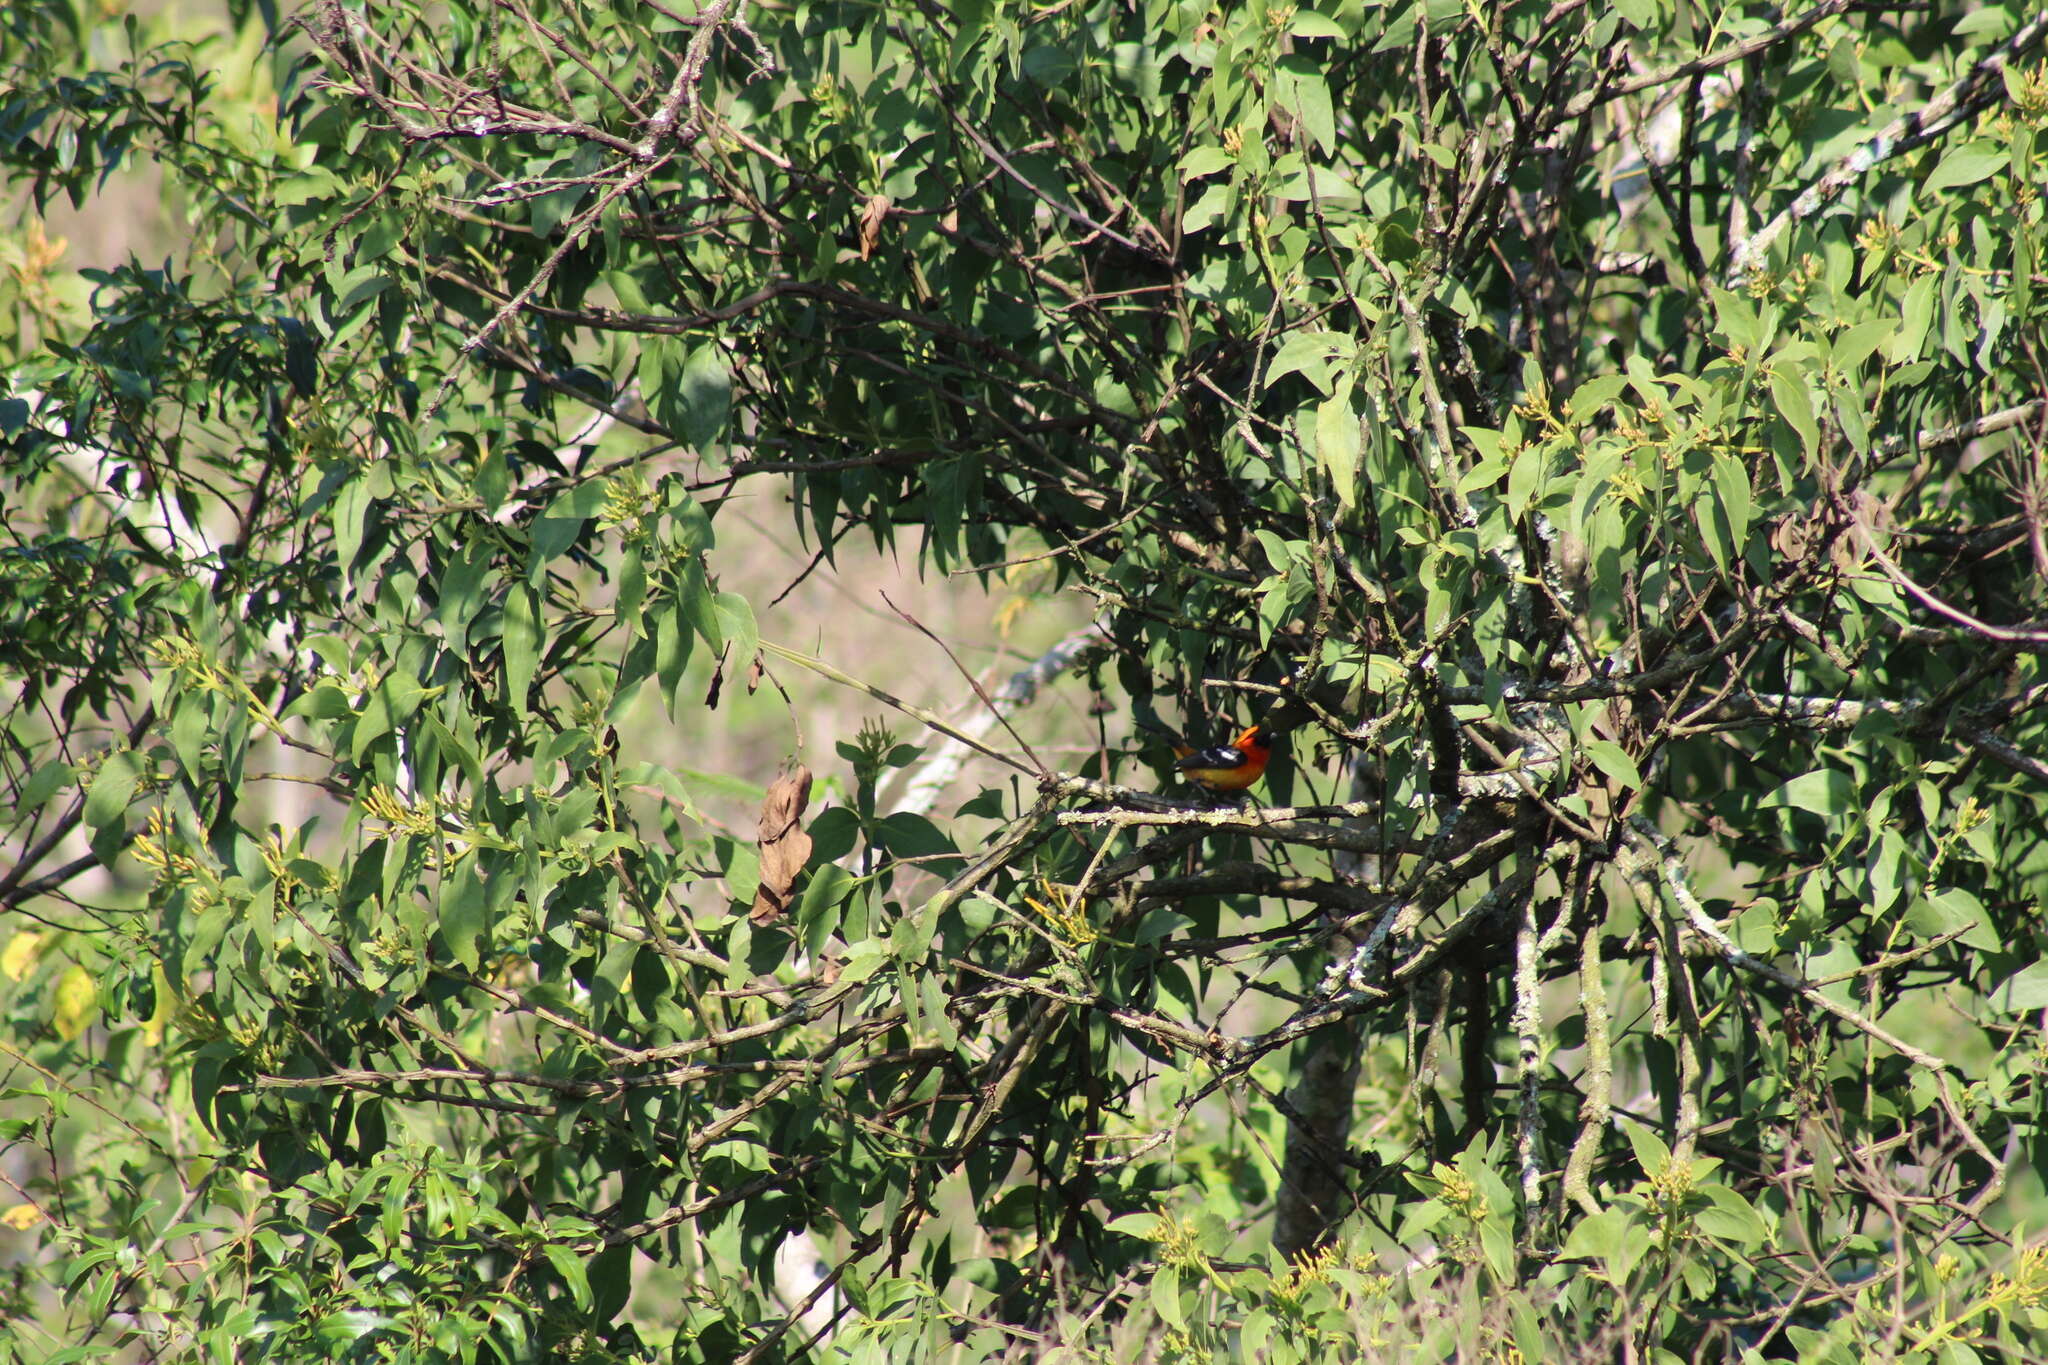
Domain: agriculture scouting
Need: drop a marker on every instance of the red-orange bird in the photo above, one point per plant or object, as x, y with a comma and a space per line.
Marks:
1227, 767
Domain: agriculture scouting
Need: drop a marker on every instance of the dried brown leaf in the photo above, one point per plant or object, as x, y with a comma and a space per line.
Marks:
717, 686
785, 847
871, 216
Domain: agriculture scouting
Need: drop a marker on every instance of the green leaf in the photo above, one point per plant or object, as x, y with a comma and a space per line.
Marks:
113, 783
1612, 1241
1944, 911
569, 1265
611, 1280
705, 395
1165, 1296
1856, 344
1731, 485
1614, 761
1888, 867
1854, 420
2024, 992
1314, 355
1205, 161
1338, 442
1255, 1335
191, 719
1825, 791
465, 913
817, 911
1795, 405
373, 722
700, 604
1651, 1153
1299, 89
1731, 1217
1212, 208
864, 959
43, 785
1916, 314
1308, 24
351, 518
1736, 317
673, 637
1966, 165
971, 19
558, 528
736, 624
632, 588
1527, 477
460, 595
350, 1326
523, 641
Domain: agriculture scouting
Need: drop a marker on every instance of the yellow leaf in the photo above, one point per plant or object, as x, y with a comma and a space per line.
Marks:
20, 958
1008, 613
153, 1027
77, 1003
22, 1217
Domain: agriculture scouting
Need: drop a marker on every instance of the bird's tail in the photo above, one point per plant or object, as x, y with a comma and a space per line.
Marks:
1145, 720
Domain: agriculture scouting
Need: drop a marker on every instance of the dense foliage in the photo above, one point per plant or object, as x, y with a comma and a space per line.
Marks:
1605, 442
